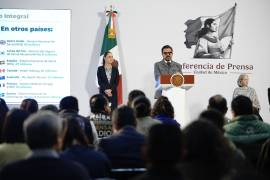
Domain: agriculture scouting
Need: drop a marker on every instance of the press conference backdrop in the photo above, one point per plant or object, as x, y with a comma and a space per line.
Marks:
142, 31
34, 55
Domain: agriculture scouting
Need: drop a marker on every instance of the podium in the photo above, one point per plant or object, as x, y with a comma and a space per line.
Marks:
174, 87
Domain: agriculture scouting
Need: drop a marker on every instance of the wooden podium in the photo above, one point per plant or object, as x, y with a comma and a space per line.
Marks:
175, 87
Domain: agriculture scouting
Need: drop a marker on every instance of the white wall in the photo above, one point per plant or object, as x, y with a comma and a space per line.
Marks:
144, 27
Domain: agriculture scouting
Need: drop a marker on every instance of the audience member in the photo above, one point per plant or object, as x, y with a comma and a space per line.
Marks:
100, 115
142, 109
208, 153
44, 133
164, 111
69, 106
13, 147
3, 111
29, 105
163, 151
246, 130
50, 107
214, 117
78, 148
124, 147
245, 127
134, 94
219, 103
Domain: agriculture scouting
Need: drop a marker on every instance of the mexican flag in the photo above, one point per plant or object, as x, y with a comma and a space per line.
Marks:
225, 23
110, 44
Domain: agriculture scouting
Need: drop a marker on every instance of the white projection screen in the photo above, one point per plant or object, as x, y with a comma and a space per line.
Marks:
34, 55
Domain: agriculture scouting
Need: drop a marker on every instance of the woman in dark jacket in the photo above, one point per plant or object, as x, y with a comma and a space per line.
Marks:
108, 77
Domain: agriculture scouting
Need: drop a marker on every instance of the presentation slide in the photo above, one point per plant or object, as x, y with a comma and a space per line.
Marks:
34, 55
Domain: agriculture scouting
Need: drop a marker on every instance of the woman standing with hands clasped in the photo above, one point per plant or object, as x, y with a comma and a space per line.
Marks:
108, 77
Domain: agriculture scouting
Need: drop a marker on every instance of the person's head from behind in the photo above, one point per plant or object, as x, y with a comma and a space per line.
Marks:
141, 106
3, 112
167, 52
13, 126
219, 103
49, 107
74, 134
3, 109
107, 58
44, 130
123, 116
242, 80
205, 143
69, 103
29, 105
99, 104
214, 117
163, 107
134, 94
241, 105
164, 145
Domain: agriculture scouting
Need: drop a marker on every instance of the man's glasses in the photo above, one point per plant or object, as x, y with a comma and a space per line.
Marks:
169, 53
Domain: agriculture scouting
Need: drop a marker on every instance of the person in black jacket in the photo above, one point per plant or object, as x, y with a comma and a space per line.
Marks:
108, 77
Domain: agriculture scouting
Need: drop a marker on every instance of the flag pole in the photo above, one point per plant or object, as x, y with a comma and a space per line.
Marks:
233, 27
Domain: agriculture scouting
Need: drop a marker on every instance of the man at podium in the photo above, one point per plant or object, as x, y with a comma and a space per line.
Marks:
165, 66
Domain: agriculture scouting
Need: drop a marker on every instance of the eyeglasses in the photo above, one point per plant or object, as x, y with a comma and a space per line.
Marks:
167, 53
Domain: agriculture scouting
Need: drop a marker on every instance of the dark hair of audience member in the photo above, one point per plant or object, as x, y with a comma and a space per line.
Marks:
141, 106
163, 107
241, 105
134, 94
214, 117
29, 105
43, 129
74, 133
206, 144
69, 103
164, 145
98, 103
50, 107
13, 126
3, 111
219, 103
123, 116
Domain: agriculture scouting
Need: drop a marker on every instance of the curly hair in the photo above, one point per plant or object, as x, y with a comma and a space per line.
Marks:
163, 107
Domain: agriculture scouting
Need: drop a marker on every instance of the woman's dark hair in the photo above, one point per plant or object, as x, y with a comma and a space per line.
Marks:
205, 29
97, 103
242, 105
163, 107
133, 95
3, 112
29, 105
141, 106
74, 132
50, 107
104, 56
123, 116
13, 126
164, 145
213, 116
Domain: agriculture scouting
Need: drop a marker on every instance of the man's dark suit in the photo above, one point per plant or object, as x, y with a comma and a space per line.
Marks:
43, 168
105, 84
163, 68
125, 148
